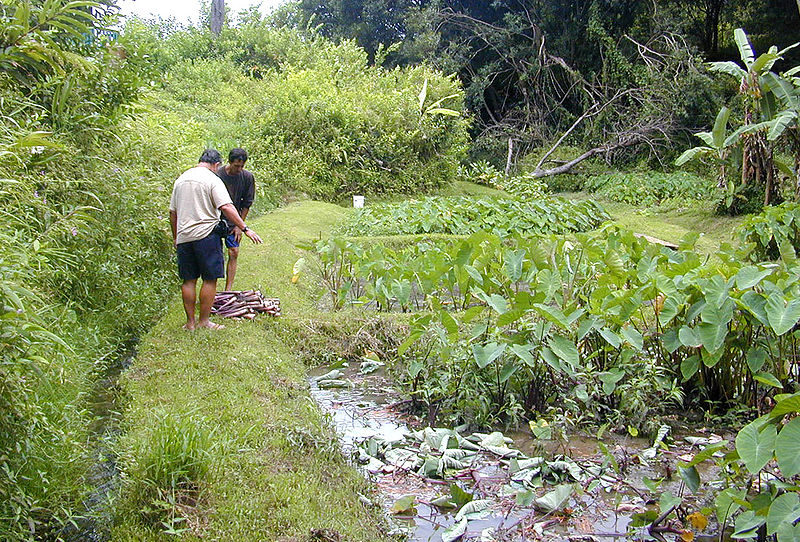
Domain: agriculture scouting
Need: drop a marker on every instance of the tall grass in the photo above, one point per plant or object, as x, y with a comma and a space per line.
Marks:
168, 468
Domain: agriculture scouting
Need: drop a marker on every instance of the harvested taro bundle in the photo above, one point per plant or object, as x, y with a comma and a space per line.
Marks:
245, 304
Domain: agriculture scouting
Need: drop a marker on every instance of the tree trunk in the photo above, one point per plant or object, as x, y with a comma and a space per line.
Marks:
217, 16
564, 168
509, 160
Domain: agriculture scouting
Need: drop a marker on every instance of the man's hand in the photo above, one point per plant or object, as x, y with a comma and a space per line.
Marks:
237, 234
253, 236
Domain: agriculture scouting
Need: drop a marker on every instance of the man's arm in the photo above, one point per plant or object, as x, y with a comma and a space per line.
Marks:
173, 222
231, 214
237, 233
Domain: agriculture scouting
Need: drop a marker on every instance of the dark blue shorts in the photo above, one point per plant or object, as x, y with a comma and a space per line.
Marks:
201, 258
230, 241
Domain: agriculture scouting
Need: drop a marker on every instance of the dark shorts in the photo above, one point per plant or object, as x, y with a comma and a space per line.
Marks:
231, 242
201, 258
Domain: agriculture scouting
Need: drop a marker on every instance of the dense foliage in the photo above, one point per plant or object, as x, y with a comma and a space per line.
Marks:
773, 232
315, 117
467, 215
530, 69
85, 255
647, 188
598, 327
748, 162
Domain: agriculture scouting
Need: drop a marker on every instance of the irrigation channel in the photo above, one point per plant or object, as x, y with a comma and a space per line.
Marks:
105, 407
437, 484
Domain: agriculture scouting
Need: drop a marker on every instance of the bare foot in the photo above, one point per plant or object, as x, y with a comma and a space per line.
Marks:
188, 327
210, 325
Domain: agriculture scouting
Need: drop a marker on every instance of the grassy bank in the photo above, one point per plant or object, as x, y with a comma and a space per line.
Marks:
672, 224
274, 467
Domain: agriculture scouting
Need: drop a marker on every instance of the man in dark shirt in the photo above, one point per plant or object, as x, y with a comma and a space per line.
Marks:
241, 186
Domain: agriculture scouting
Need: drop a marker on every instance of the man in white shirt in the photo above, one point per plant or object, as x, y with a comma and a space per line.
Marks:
198, 196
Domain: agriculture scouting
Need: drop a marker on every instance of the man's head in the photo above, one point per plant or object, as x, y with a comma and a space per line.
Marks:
236, 159
212, 157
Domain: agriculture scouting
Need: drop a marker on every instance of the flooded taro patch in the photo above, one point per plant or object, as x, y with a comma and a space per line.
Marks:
449, 484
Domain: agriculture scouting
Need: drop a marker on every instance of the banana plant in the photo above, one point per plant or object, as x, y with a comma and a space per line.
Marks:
762, 113
722, 148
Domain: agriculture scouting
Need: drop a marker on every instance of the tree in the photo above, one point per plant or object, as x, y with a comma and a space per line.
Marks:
217, 16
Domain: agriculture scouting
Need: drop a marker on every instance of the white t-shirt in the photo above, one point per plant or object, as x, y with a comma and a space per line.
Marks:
196, 197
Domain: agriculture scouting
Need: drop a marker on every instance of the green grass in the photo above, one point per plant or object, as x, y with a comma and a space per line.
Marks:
672, 224
275, 467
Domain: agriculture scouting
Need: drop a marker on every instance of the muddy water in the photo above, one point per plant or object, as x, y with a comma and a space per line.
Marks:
604, 513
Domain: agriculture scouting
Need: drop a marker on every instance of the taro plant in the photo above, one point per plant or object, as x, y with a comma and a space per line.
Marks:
766, 459
772, 232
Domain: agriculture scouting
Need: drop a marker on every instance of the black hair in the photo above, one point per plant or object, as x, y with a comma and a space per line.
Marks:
237, 154
211, 156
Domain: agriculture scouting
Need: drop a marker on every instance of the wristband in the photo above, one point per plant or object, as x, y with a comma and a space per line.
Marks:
245, 228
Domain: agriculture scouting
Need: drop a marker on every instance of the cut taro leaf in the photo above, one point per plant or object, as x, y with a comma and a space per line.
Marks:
445, 502
455, 531
404, 506
460, 497
474, 510
494, 439
554, 500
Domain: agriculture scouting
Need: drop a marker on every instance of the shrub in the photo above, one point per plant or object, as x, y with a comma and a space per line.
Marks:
316, 118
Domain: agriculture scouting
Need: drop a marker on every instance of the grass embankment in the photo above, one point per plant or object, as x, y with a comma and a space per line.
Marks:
672, 224
277, 473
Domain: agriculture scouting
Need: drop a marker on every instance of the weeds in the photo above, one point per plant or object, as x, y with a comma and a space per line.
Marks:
169, 470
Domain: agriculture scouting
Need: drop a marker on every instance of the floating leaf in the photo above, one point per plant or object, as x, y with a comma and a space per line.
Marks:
554, 500
404, 506
455, 531
697, 520
474, 509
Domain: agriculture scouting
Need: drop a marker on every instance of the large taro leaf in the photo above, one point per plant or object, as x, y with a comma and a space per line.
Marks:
565, 349
756, 357
750, 276
610, 379
782, 316
784, 509
787, 405
484, 355
787, 448
747, 523
756, 446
